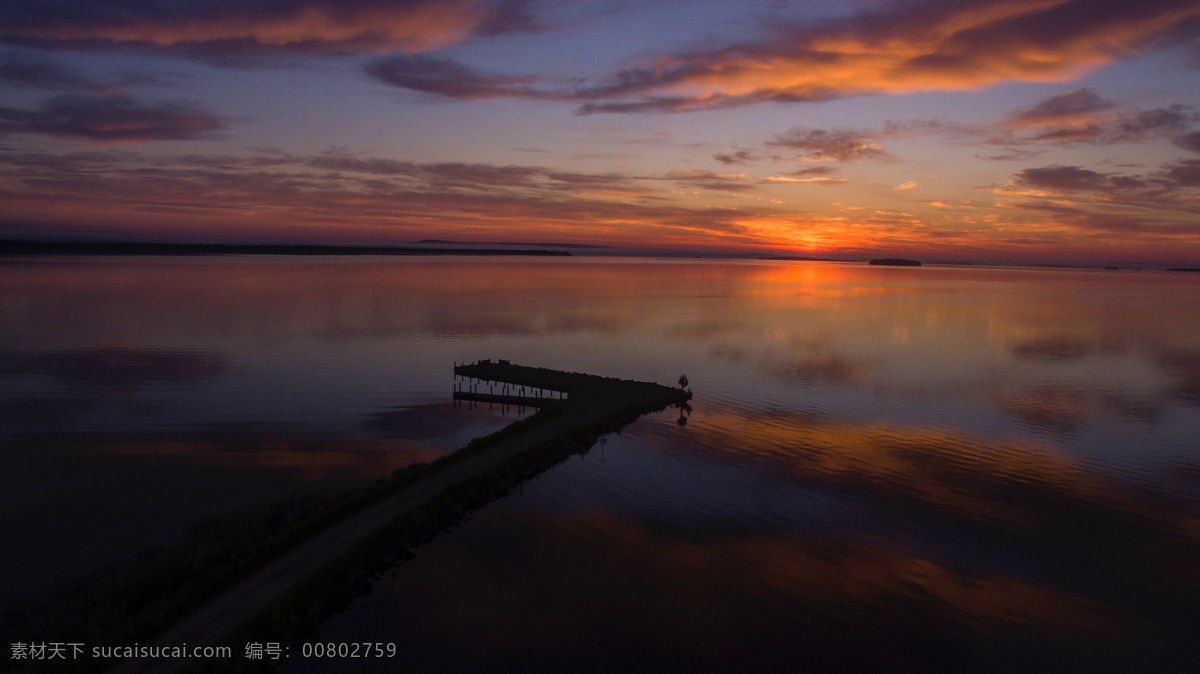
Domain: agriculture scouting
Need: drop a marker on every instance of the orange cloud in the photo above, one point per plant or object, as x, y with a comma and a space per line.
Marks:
930, 46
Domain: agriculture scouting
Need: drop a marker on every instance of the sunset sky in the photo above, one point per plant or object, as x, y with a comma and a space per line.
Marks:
1064, 131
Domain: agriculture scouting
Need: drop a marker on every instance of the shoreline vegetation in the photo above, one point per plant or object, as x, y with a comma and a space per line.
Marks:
137, 603
15, 248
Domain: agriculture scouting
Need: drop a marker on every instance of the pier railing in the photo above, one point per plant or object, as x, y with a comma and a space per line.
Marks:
504, 384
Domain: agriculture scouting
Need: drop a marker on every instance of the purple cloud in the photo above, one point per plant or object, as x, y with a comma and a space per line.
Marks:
815, 145
225, 28
739, 157
110, 120
1062, 178
448, 78
1082, 116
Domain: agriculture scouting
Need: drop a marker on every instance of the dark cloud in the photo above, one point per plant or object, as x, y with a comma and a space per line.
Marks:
1172, 188
1062, 178
258, 27
34, 70
739, 157
1075, 116
1160, 122
18, 69
1185, 174
1190, 141
711, 181
446, 78
1082, 116
1066, 106
647, 104
110, 119
821, 145
1125, 220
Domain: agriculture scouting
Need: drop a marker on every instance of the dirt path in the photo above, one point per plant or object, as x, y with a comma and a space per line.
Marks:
591, 398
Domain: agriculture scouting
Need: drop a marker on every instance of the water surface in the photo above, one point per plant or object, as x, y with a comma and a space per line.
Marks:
924, 468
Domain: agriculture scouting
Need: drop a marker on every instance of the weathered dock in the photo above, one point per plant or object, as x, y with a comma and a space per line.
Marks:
589, 389
506, 385
300, 581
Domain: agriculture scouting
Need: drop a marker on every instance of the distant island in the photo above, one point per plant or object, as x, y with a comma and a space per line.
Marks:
10, 247
896, 262
1196, 269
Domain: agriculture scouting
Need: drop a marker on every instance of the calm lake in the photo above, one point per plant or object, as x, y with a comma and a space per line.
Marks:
885, 469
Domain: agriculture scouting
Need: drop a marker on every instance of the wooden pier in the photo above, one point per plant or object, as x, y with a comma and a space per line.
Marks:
570, 385
506, 385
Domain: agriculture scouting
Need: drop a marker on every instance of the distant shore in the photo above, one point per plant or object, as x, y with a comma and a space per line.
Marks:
14, 247
896, 262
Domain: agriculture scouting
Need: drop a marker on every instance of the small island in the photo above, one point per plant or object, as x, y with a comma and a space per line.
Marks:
1189, 269
896, 262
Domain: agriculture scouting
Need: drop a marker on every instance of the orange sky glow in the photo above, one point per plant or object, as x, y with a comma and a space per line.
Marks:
1033, 131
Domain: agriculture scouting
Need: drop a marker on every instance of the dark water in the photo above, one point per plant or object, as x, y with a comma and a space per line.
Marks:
886, 469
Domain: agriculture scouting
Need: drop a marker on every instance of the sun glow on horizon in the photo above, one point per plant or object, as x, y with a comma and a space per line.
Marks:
988, 131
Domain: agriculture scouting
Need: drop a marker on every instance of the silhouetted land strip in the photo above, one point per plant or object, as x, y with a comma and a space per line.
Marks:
896, 262
10, 247
1193, 269
284, 587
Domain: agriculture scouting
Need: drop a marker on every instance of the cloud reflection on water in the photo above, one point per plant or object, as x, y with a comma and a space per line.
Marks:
988, 447
120, 367
983, 557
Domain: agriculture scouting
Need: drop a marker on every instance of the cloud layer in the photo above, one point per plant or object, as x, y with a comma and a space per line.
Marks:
445, 77
1082, 116
110, 120
910, 47
817, 145
225, 28
262, 194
